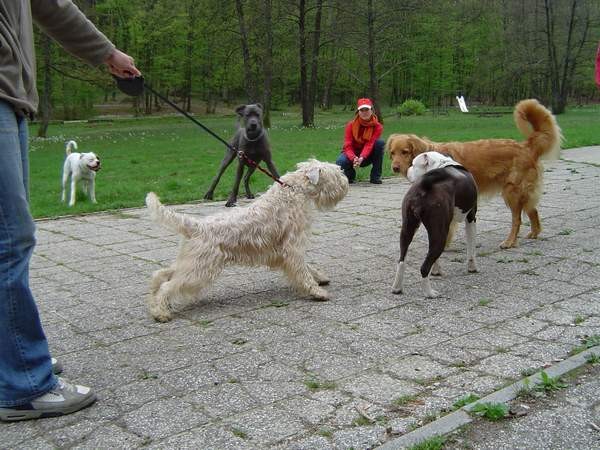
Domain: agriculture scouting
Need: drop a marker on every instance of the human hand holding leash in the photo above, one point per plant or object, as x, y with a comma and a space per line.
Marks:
121, 65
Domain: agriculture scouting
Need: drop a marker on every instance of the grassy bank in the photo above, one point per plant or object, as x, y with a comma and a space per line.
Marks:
177, 159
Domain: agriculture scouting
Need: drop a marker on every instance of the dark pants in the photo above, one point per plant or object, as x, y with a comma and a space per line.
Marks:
375, 158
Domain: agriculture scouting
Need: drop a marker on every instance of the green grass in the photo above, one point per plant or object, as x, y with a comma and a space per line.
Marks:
548, 383
434, 443
314, 385
465, 400
177, 159
491, 411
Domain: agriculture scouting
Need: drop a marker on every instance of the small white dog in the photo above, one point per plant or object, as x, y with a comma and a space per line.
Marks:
273, 231
79, 166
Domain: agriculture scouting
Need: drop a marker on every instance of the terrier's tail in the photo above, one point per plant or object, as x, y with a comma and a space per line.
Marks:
179, 223
539, 126
71, 146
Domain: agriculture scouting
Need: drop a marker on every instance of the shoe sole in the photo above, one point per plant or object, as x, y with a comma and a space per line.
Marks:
14, 415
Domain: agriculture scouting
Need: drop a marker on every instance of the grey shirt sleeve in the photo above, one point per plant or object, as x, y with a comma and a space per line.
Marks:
65, 23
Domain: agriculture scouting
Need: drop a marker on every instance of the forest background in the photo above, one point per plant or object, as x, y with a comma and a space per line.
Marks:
209, 55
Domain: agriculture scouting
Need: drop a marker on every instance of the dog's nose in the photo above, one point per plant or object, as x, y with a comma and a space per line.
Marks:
396, 169
253, 126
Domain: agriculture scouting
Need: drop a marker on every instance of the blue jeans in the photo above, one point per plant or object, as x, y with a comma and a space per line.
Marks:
375, 158
25, 365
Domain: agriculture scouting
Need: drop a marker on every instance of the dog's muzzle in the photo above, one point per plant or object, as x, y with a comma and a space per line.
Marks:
95, 167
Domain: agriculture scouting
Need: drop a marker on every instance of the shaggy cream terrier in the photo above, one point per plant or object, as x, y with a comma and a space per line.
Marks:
273, 231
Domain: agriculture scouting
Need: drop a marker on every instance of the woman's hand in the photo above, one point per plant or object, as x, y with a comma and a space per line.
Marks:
357, 161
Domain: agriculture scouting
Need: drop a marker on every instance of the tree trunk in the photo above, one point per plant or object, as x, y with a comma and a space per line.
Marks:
45, 100
304, 94
373, 82
268, 62
189, 50
562, 70
312, 87
249, 85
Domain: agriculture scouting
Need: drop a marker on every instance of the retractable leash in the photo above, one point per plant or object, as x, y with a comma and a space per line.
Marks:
135, 86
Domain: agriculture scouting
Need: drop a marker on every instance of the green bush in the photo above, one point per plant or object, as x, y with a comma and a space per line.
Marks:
411, 108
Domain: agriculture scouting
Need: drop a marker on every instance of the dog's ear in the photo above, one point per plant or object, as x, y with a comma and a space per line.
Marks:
80, 155
240, 110
260, 106
416, 144
313, 175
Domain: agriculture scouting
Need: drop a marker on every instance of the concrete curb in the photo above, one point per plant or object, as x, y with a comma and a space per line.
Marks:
461, 417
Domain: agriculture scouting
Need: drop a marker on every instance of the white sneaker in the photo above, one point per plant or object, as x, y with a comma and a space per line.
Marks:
65, 398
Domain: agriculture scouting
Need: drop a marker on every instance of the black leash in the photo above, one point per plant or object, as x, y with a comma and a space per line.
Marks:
135, 86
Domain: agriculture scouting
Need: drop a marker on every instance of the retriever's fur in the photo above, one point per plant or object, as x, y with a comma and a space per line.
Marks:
498, 165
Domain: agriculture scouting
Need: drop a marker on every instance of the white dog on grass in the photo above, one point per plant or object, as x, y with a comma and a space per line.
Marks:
79, 166
273, 231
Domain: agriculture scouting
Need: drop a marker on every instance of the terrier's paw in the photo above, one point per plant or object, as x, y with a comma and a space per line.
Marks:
162, 316
230, 203
397, 291
250, 196
208, 196
320, 295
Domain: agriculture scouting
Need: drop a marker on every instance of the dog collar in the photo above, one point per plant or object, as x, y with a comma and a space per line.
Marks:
262, 133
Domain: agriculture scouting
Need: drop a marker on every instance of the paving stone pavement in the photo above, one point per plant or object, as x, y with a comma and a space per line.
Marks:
256, 366
561, 420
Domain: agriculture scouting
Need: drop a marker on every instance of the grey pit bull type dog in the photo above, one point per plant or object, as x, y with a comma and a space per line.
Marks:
443, 193
252, 139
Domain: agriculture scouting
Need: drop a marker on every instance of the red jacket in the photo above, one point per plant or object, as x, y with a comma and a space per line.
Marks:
598, 66
353, 149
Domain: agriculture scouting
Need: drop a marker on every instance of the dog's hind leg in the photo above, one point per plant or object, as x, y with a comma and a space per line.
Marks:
322, 280
300, 276
410, 224
188, 278
436, 269
65, 179
227, 159
437, 230
73, 191
513, 200
536, 226
471, 232
158, 278
249, 173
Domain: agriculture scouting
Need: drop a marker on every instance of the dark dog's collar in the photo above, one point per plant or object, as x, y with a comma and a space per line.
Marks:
262, 133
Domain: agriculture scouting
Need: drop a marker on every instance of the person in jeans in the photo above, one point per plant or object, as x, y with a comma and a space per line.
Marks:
28, 387
362, 145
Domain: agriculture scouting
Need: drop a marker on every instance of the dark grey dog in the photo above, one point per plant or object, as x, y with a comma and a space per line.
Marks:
252, 139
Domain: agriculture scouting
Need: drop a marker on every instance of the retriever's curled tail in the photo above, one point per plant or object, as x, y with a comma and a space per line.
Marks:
179, 223
539, 126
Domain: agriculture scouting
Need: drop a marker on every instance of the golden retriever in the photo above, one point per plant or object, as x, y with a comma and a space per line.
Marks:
498, 165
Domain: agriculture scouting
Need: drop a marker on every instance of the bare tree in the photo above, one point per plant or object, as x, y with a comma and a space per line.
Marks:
268, 61
562, 67
249, 84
